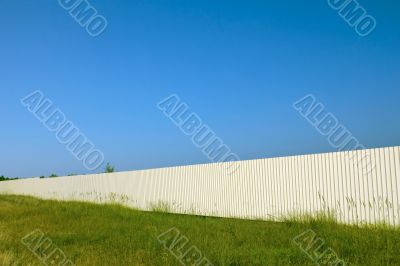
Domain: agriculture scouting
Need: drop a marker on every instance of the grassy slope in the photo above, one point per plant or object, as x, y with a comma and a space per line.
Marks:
112, 235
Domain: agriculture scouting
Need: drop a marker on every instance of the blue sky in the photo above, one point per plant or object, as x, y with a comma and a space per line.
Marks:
239, 65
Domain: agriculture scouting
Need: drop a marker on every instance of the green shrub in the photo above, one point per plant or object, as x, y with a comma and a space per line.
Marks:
109, 168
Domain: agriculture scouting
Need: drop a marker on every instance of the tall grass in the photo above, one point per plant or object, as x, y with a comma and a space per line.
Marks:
91, 234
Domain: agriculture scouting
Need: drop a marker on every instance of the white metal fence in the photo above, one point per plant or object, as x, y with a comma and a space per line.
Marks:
267, 188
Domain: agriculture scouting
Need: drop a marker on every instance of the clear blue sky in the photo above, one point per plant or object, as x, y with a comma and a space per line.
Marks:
239, 64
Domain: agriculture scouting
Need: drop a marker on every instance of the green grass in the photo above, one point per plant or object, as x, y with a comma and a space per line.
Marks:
91, 234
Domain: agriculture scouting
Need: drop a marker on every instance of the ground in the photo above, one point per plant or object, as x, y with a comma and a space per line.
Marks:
90, 234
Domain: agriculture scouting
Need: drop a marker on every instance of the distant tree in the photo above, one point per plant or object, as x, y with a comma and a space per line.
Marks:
71, 174
3, 178
53, 175
42, 177
109, 168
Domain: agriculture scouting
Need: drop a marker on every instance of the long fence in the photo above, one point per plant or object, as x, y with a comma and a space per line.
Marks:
271, 189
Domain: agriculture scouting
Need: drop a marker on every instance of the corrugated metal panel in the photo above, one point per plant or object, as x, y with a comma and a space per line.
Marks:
273, 188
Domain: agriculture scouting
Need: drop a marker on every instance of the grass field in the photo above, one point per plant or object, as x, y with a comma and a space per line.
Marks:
90, 234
